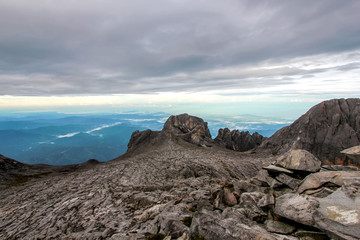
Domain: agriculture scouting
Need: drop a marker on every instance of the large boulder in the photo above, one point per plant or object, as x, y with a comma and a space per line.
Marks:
339, 214
353, 153
189, 128
325, 130
297, 208
337, 178
238, 141
299, 160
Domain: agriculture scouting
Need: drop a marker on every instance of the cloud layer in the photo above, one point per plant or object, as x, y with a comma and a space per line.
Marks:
93, 47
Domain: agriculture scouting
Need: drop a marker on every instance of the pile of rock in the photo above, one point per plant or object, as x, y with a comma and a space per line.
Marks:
323, 198
293, 198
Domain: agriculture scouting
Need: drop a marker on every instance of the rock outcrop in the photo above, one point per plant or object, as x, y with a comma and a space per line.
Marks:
325, 130
189, 128
238, 141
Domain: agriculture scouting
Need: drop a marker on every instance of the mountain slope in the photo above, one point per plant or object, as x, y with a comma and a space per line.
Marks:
109, 200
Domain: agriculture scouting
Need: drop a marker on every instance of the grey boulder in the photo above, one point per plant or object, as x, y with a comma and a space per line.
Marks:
299, 160
339, 214
338, 178
297, 208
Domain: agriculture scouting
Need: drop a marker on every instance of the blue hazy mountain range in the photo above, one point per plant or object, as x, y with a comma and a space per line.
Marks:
59, 139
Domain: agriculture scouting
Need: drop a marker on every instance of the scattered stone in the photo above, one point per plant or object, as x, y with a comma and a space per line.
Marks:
276, 169
183, 237
279, 227
212, 226
297, 208
254, 202
263, 179
311, 235
319, 193
293, 183
229, 198
338, 168
300, 160
339, 178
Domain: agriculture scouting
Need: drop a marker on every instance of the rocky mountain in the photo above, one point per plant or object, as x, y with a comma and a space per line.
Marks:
238, 141
178, 183
325, 130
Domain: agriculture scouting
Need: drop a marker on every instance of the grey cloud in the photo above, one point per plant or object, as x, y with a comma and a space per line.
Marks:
101, 47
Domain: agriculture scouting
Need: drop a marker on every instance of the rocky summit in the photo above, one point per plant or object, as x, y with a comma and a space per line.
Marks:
179, 183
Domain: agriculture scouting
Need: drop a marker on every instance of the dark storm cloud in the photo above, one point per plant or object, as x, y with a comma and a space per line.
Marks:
100, 47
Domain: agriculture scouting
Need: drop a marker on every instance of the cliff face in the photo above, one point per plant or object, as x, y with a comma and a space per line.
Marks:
325, 130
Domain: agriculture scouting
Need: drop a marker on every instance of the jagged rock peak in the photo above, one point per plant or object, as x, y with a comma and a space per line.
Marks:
325, 130
190, 128
238, 141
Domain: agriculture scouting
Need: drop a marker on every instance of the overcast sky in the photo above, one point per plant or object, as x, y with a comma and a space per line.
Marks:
230, 50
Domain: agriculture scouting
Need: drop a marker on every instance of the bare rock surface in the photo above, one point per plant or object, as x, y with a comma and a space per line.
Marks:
325, 130
144, 192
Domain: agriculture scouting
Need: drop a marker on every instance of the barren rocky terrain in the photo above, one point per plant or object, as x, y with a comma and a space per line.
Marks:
179, 184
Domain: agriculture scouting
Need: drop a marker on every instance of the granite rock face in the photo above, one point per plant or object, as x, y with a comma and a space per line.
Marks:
238, 141
325, 130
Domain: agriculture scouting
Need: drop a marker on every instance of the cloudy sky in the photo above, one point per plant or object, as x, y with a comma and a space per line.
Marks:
172, 52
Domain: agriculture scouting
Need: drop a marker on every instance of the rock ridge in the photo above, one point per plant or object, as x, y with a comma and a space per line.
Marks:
238, 141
